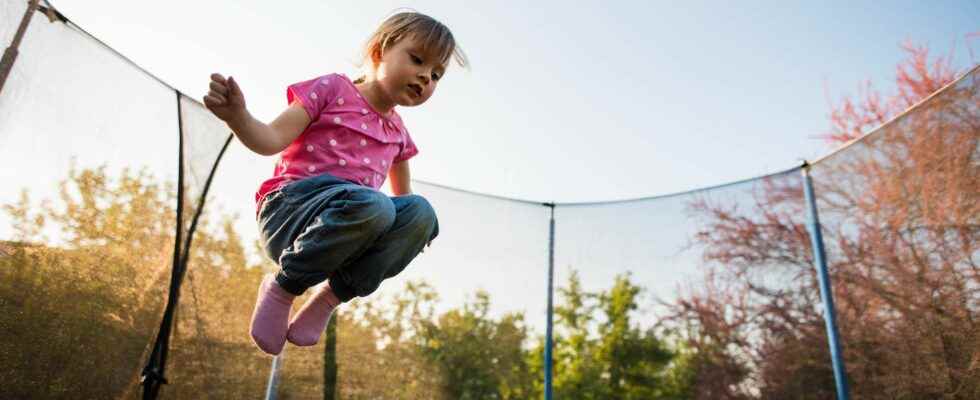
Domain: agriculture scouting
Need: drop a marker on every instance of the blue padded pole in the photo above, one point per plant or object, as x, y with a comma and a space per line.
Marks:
10, 55
551, 279
272, 388
819, 257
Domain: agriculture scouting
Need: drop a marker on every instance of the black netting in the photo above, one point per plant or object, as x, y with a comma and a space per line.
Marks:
900, 210
712, 266
88, 215
712, 292
400, 340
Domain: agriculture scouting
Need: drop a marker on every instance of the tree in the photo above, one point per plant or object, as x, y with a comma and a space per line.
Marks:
480, 356
899, 213
106, 277
377, 357
608, 356
908, 273
634, 359
89, 299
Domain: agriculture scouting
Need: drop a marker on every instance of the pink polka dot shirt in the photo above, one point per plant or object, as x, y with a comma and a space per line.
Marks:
346, 137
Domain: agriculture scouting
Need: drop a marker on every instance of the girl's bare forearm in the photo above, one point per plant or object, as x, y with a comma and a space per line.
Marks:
256, 135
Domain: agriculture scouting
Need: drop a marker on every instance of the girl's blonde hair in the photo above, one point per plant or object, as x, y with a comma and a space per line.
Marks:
435, 38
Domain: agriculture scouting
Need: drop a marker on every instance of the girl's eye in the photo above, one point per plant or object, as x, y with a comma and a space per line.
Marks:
436, 77
415, 59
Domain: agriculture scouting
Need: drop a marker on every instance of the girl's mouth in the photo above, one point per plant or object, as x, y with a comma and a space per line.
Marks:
416, 89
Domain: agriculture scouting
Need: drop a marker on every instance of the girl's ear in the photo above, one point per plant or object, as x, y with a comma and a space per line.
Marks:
376, 56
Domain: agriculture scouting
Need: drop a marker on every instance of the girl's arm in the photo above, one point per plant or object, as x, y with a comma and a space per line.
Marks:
269, 139
401, 178
401, 181
226, 101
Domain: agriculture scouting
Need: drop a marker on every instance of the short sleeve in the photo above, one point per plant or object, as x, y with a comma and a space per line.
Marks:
315, 94
408, 149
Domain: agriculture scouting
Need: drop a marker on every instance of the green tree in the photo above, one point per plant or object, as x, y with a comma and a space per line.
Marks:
576, 374
81, 308
88, 300
608, 356
377, 354
634, 360
481, 357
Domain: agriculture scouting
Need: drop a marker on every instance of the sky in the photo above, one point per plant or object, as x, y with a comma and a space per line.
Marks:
600, 101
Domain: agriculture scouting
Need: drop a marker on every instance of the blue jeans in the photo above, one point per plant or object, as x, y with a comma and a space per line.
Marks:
324, 227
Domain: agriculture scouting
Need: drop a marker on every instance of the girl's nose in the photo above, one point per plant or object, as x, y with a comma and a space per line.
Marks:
424, 78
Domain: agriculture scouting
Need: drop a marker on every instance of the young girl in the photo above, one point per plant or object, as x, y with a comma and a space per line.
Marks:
321, 216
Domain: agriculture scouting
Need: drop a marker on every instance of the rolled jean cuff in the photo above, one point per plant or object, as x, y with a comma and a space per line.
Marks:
291, 286
344, 291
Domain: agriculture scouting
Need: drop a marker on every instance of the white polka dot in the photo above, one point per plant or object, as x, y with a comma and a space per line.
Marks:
342, 162
311, 168
309, 148
313, 95
363, 126
363, 142
336, 120
325, 81
340, 101
364, 111
384, 163
333, 142
367, 160
358, 95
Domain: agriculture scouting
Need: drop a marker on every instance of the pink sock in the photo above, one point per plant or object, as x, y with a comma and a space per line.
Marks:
308, 324
270, 316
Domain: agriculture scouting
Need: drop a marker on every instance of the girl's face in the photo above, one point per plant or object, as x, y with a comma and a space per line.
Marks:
407, 74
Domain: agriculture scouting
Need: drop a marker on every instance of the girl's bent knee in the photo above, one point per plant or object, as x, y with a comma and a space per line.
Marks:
375, 210
422, 207
424, 216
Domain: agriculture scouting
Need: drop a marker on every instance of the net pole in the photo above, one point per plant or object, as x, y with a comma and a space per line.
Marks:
10, 54
153, 372
830, 316
272, 388
551, 279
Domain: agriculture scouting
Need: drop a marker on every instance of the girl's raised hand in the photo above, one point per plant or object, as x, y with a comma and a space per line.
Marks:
225, 99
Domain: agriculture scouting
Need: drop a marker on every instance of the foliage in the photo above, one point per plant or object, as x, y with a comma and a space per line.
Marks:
899, 213
607, 356
85, 306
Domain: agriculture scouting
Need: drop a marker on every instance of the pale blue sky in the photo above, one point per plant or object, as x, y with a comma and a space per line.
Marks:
603, 100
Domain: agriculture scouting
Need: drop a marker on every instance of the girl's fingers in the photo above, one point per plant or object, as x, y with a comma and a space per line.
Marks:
210, 101
233, 88
213, 99
218, 88
219, 92
220, 97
